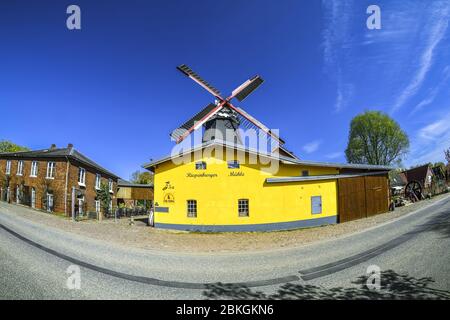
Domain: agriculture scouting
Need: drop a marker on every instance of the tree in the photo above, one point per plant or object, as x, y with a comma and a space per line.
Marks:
8, 146
138, 177
447, 155
104, 196
376, 139
43, 187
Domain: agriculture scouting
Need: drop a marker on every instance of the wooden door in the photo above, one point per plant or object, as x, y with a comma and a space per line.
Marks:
352, 199
377, 194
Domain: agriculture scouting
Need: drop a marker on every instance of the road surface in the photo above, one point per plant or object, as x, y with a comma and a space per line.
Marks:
412, 252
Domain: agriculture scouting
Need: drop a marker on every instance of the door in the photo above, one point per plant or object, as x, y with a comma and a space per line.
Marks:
361, 197
377, 195
80, 206
352, 199
316, 205
33, 198
49, 202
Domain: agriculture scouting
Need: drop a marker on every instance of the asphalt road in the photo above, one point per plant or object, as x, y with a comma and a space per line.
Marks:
412, 253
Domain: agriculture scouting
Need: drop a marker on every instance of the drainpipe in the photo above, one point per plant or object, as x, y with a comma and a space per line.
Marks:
67, 185
73, 204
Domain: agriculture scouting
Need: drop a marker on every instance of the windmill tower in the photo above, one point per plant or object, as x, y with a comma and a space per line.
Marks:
221, 119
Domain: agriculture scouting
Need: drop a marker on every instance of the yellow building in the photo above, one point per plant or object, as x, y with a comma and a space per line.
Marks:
223, 187
226, 185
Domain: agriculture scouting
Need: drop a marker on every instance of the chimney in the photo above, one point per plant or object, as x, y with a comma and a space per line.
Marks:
70, 146
53, 146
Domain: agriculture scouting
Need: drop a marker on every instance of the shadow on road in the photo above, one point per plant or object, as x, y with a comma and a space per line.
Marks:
393, 286
440, 224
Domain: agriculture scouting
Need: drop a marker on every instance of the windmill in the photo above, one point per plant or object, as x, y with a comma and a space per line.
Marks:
222, 118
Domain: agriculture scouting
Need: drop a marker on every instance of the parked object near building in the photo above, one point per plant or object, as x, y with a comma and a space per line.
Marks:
59, 180
222, 184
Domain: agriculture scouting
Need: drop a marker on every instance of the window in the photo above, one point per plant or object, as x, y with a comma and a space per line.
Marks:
20, 167
98, 179
305, 173
234, 164
316, 204
51, 170
8, 167
201, 165
192, 208
97, 206
82, 176
243, 208
34, 169
110, 185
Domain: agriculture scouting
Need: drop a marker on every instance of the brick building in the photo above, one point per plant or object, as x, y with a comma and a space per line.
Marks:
49, 179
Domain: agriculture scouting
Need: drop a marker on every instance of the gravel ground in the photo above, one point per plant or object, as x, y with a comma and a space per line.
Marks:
141, 236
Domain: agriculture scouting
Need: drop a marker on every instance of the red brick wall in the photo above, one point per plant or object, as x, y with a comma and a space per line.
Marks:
62, 200
89, 190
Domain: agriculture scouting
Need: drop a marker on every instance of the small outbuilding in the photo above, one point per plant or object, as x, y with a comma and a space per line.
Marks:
132, 194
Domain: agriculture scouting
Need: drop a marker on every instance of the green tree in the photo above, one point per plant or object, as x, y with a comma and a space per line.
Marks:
138, 177
447, 155
377, 139
8, 146
104, 196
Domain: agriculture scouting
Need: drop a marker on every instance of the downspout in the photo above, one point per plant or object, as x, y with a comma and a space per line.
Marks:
67, 185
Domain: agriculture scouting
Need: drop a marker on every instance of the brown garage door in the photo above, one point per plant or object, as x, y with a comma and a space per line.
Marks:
377, 194
361, 197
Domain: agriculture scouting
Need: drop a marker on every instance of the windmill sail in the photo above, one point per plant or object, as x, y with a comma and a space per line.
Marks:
246, 88
189, 125
191, 74
223, 117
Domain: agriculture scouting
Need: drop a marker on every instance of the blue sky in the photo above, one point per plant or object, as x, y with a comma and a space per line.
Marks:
112, 89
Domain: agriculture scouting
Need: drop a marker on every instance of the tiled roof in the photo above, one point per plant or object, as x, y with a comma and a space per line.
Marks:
418, 173
69, 152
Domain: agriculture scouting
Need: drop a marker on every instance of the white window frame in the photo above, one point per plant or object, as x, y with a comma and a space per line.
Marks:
98, 181
97, 206
8, 167
34, 169
82, 176
20, 168
110, 185
191, 208
51, 170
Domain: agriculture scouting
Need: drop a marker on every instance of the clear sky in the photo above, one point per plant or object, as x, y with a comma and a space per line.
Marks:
112, 89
